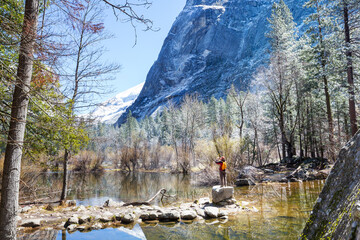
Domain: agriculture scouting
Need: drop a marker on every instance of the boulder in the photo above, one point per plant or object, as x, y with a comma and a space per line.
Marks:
84, 219
128, 218
188, 215
107, 217
169, 216
144, 216
203, 201
250, 172
72, 220
334, 213
221, 193
200, 212
153, 216
244, 182
33, 223
211, 212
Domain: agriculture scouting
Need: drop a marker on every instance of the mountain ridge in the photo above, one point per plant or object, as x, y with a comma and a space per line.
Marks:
211, 45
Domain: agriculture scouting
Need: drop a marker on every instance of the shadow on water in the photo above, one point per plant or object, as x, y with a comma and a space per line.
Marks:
283, 208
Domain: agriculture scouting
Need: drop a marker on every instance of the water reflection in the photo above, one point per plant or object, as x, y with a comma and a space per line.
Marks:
283, 208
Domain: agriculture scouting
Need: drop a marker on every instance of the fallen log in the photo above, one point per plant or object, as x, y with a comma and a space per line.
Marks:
161, 192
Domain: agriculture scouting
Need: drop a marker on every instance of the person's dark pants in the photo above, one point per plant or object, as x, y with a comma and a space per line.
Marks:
222, 178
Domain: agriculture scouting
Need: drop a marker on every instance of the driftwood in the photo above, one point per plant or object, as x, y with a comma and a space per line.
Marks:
39, 202
161, 192
148, 202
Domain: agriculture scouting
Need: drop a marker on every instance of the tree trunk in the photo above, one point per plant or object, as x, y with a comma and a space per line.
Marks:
65, 176
350, 72
12, 163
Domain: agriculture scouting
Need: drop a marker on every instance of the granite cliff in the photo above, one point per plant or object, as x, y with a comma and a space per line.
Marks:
211, 45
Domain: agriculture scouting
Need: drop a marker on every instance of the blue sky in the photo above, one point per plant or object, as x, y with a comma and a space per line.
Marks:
137, 60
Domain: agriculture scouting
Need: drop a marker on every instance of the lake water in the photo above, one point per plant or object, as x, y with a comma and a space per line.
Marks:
283, 207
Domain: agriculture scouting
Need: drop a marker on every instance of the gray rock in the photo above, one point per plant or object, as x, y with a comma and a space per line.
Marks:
211, 212
221, 193
169, 216
188, 215
72, 220
81, 228
84, 219
81, 208
49, 207
226, 202
112, 203
96, 226
119, 216
107, 217
71, 228
330, 217
153, 216
25, 209
200, 212
222, 213
33, 223
244, 182
70, 203
144, 216
357, 211
128, 218
203, 201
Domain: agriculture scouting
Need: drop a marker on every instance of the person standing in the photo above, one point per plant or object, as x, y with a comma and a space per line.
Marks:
222, 170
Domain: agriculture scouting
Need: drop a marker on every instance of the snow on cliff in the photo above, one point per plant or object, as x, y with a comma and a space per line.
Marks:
111, 110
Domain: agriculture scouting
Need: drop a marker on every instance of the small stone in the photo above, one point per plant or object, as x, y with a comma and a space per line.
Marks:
211, 212
200, 212
71, 228
119, 216
72, 220
144, 216
112, 203
81, 208
96, 226
84, 219
50, 207
70, 203
188, 215
81, 228
203, 201
222, 213
153, 216
33, 223
128, 218
107, 217
25, 209
169, 216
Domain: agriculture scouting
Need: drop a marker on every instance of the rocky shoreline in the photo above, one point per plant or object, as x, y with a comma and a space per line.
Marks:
292, 170
73, 218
